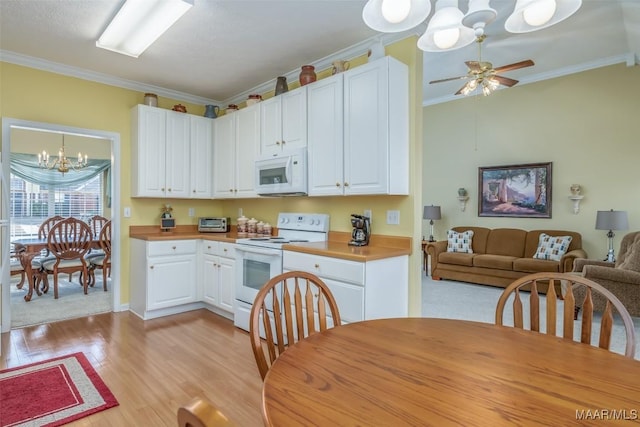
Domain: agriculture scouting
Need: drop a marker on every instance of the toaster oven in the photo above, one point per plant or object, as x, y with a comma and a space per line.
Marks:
214, 224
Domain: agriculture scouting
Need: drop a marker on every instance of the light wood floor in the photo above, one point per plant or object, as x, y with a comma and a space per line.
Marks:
153, 366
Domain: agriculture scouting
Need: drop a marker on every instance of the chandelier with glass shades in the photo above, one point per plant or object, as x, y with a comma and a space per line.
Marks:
450, 29
62, 163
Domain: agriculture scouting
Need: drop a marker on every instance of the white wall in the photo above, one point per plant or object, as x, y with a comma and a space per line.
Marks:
587, 124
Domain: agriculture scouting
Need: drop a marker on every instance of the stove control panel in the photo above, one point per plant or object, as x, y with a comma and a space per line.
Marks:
303, 222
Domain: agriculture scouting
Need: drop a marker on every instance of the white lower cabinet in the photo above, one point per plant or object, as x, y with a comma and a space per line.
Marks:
163, 277
363, 290
174, 276
218, 274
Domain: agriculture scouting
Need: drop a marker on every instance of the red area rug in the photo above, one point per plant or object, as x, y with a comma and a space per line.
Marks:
52, 393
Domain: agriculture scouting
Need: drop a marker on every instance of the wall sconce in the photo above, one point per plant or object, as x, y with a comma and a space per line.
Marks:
575, 197
462, 198
431, 213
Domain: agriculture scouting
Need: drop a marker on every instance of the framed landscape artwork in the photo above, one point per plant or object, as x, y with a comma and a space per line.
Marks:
521, 191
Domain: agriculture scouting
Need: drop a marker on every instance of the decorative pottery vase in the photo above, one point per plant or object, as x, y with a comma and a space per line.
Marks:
151, 99
281, 85
211, 111
340, 66
307, 75
179, 108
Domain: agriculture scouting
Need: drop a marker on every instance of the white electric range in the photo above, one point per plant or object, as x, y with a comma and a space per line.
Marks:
258, 259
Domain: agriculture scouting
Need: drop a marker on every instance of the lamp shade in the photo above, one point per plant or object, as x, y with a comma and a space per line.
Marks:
532, 15
431, 212
612, 220
380, 15
445, 30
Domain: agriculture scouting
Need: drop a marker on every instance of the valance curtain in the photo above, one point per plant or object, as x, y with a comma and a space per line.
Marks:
26, 167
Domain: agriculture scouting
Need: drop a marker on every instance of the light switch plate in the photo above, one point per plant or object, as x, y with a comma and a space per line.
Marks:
393, 217
127, 212
192, 212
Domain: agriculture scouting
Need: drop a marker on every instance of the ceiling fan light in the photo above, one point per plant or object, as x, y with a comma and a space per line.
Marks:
373, 14
395, 11
529, 12
445, 30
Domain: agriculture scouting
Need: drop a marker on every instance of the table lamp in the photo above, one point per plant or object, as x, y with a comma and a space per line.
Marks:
611, 220
431, 213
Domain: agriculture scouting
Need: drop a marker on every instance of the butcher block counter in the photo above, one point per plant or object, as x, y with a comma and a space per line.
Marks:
380, 247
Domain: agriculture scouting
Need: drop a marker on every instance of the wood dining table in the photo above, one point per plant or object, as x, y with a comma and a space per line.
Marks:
32, 247
439, 372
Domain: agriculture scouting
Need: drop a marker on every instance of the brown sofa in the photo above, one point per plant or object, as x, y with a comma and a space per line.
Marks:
500, 256
622, 278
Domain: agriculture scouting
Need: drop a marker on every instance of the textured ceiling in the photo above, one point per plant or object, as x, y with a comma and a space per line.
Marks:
223, 48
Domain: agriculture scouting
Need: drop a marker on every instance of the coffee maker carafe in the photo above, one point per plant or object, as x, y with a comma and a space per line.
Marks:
361, 230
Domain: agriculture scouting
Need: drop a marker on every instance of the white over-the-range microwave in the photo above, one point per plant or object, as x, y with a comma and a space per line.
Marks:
282, 174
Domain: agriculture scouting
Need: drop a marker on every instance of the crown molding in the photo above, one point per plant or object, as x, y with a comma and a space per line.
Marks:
628, 59
81, 73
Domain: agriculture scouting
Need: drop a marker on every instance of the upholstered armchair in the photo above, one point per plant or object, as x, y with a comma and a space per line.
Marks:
622, 278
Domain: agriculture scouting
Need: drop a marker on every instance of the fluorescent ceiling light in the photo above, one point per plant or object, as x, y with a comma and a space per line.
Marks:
139, 23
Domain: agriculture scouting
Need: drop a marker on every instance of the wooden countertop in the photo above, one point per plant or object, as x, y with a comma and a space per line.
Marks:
379, 247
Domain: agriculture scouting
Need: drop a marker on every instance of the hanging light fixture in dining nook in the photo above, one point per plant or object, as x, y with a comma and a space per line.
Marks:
62, 163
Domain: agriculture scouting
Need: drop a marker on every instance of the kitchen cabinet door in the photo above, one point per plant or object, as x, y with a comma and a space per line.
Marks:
247, 149
201, 167
325, 140
177, 154
224, 156
148, 128
283, 121
210, 282
376, 128
171, 281
226, 285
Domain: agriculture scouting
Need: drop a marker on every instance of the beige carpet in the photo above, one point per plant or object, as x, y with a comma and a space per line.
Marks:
71, 303
449, 299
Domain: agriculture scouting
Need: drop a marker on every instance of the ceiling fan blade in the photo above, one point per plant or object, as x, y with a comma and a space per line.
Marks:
474, 65
449, 79
505, 81
515, 66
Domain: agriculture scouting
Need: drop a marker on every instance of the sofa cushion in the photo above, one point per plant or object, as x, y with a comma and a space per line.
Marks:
499, 262
460, 242
480, 235
632, 260
534, 265
550, 247
533, 237
506, 241
456, 258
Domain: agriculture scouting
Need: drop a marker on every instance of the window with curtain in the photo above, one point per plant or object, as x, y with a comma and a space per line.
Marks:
37, 193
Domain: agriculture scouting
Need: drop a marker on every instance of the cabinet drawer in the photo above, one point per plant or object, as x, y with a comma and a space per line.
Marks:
227, 250
171, 247
325, 267
210, 247
350, 300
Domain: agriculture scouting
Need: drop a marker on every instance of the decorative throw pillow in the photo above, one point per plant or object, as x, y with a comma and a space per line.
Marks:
459, 242
550, 247
632, 260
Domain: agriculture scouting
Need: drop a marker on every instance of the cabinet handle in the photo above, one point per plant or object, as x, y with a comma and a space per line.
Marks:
194, 191
317, 266
169, 189
277, 142
208, 247
283, 142
151, 267
337, 184
225, 249
235, 190
173, 247
162, 189
346, 184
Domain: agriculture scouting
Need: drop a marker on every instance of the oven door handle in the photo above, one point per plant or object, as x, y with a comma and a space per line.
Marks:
258, 251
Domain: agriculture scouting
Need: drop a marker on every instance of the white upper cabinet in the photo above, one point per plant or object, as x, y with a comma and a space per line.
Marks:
284, 122
164, 146
235, 148
371, 156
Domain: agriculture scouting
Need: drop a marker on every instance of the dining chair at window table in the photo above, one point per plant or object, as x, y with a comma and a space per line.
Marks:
68, 241
569, 283
201, 413
280, 314
97, 222
103, 261
16, 265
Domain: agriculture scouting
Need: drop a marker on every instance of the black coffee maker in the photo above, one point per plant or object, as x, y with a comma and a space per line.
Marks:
361, 230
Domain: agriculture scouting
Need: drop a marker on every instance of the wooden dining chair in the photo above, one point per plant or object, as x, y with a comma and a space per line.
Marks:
569, 283
96, 223
280, 314
202, 413
103, 261
68, 241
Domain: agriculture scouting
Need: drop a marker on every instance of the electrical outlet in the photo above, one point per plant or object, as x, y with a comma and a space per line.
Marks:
367, 213
127, 212
192, 212
393, 217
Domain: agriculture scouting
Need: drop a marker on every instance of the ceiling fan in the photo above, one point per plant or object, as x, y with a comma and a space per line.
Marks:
482, 74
